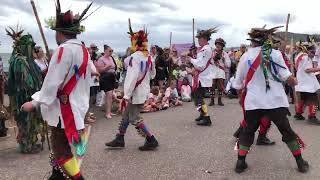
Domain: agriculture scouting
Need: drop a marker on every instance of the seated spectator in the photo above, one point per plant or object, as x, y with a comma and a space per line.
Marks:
171, 95
153, 103
182, 73
185, 91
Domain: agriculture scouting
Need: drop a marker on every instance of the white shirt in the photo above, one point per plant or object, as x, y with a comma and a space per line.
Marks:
58, 75
203, 56
317, 56
94, 81
224, 62
307, 82
134, 74
257, 97
43, 65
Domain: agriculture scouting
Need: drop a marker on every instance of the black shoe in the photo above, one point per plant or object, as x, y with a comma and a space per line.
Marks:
206, 121
299, 117
150, 144
211, 102
313, 120
220, 102
264, 140
3, 134
303, 166
117, 142
80, 178
199, 118
56, 175
241, 166
237, 133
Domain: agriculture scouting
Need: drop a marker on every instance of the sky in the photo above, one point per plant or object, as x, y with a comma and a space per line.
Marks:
109, 25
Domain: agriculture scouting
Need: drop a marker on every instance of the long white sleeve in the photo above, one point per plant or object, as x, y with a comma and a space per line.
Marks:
55, 77
238, 82
131, 78
202, 59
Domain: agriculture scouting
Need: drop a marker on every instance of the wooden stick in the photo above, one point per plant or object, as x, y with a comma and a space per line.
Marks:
41, 30
287, 27
193, 40
170, 40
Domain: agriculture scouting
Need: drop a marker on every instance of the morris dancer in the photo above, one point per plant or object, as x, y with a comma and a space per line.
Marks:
140, 71
260, 74
24, 79
221, 64
64, 96
308, 84
202, 78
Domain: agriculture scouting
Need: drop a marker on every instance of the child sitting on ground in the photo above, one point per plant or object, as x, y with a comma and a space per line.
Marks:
185, 91
171, 97
152, 104
182, 73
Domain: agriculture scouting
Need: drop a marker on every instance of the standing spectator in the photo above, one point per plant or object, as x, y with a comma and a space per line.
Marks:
161, 68
153, 51
107, 67
239, 53
41, 60
94, 49
94, 83
3, 129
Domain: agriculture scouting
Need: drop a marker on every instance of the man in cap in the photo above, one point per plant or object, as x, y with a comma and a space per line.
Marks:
221, 69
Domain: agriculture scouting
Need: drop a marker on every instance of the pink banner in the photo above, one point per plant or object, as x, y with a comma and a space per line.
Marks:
181, 47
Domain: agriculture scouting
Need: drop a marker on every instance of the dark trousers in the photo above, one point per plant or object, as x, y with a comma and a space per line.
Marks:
278, 116
59, 143
199, 95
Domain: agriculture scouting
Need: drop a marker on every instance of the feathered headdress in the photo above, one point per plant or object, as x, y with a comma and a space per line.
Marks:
67, 22
206, 33
261, 35
15, 34
265, 38
307, 45
139, 40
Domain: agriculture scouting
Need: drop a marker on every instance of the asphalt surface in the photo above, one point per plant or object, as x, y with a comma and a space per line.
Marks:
186, 152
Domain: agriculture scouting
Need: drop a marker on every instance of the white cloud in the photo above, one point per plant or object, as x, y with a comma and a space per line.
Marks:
109, 24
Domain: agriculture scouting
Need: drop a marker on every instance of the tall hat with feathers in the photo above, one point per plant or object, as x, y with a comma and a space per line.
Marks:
139, 40
68, 22
262, 35
206, 33
308, 45
266, 39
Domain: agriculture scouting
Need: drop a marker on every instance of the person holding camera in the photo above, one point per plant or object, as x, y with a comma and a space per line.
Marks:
107, 67
221, 64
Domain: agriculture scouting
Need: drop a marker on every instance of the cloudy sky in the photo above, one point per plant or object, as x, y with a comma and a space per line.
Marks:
109, 25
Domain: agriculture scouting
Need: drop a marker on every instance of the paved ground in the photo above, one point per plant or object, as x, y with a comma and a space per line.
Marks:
186, 151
